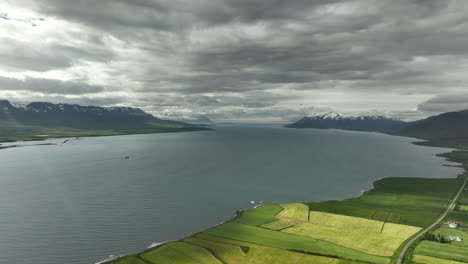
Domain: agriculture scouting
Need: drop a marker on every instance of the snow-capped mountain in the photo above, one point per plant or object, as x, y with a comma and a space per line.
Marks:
82, 117
346, 122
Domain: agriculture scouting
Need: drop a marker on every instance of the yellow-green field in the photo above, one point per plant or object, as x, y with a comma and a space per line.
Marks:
462, 208
420, 259
369, 236
292, 214
237, 252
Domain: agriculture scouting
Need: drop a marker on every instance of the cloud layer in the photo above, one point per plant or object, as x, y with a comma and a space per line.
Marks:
239, 59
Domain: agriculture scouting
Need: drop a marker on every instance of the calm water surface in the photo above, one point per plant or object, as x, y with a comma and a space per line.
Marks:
78, 202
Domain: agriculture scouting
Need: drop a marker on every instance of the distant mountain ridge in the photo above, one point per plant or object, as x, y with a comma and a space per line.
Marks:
197, 120
448, 129
39, 116
359, 123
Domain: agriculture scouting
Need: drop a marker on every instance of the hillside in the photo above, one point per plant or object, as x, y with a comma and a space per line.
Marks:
447, 129
41, 119
360, 123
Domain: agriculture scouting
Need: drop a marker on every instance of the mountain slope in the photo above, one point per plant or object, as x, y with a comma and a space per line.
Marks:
54, 120
360, 123
447, 129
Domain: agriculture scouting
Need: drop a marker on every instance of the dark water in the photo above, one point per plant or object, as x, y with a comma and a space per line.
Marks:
79, 202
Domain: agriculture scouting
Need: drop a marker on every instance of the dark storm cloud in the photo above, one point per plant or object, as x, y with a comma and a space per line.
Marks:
48, 86
445, 103
239, 57
19, 55
173, 15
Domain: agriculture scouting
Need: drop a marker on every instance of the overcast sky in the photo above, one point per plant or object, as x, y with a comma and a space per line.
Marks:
239, 59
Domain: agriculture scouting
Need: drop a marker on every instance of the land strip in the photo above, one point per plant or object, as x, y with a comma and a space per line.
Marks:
442, 217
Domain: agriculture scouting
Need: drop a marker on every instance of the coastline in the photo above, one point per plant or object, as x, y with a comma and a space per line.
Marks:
238, 213
69, 137
156, 245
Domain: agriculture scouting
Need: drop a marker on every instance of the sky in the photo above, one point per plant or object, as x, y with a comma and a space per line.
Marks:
257, 60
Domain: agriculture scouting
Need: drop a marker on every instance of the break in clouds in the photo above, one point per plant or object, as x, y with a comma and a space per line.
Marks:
239, 59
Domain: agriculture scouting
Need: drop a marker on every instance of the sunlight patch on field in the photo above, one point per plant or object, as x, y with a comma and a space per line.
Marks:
369, 236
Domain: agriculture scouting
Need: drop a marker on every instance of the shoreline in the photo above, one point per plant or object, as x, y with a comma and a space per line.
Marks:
156, 245
70, 137
238, 212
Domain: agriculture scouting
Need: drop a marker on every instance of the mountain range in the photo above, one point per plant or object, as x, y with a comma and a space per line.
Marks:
54, 120
447, 129
359, 123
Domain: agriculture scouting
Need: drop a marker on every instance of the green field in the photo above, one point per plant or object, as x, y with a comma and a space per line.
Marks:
420, 259
128, 260
457, 251
259, 216
369, 236
443, 251
409, 201
233, 252
271, 238
292, 214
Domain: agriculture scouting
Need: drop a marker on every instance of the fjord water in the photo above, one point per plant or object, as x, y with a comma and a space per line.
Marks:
78, 202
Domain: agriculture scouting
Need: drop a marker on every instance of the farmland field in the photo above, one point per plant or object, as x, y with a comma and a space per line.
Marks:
369, 236
295, 210
443, 251
292, 214
233, 252
462, 208
409, 201
283, 240
168, 255
259, 216
431, 260
458, 217
129, 260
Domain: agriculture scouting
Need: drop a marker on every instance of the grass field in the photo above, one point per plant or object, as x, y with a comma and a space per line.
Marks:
128, 260
259, 216
409, 201
295, 210
281, 240
292, 214
369, 236
168, 255
443, 251
235, 252
420, 259
458, 217
462, 208
454, 232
